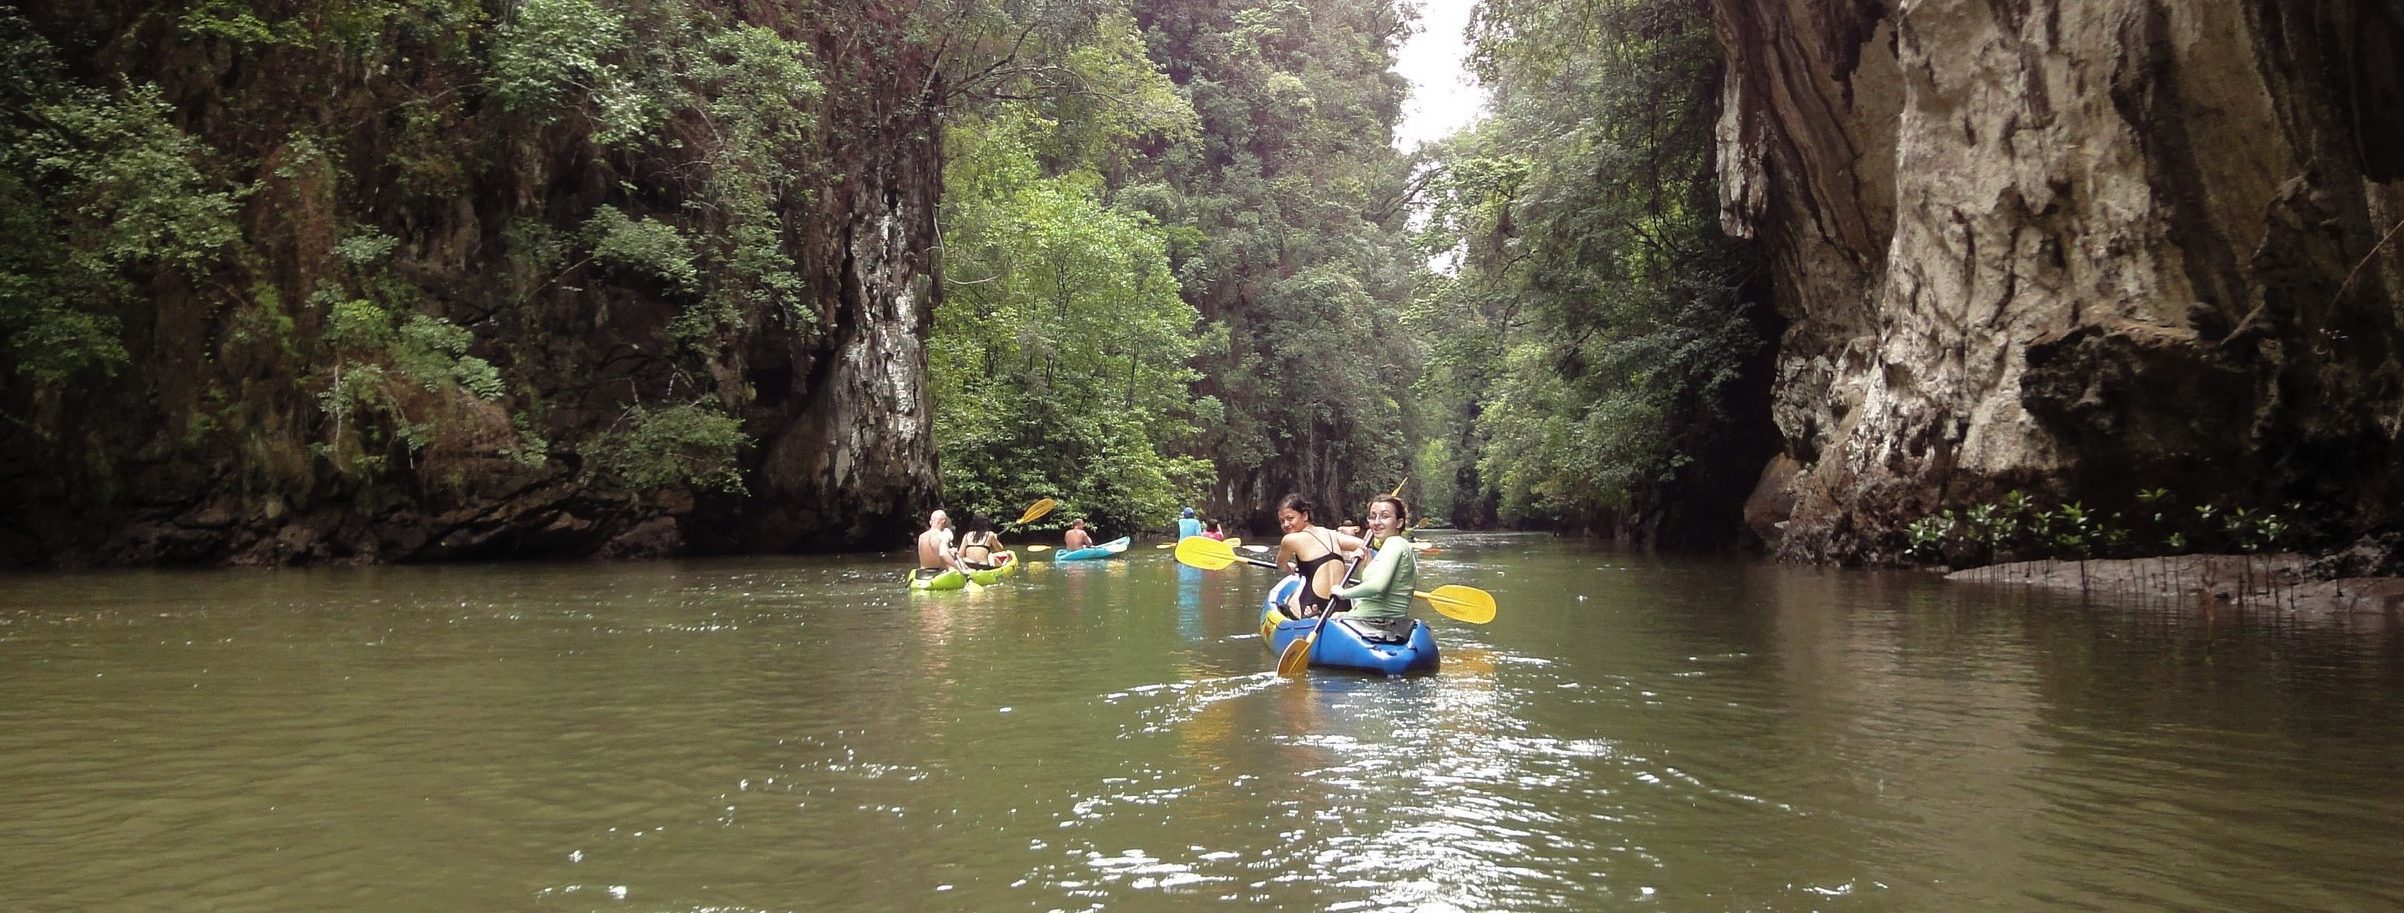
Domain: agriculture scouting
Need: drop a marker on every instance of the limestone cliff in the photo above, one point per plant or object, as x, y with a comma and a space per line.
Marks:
534, 227
2072, 247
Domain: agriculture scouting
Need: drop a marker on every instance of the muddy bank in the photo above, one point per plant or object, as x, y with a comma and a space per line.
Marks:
2273, 582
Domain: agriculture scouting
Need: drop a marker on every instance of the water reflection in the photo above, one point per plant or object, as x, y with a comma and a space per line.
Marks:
1189, 602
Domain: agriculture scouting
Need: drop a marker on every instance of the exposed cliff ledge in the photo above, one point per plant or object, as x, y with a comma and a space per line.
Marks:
2074, 247
386, 134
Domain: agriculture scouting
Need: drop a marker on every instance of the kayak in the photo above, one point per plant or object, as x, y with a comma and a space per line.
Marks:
937, 578
1005, 564
1089, 553
1345, 643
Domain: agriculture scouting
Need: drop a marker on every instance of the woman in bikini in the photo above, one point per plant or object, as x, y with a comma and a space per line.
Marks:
981, 549
1315, 552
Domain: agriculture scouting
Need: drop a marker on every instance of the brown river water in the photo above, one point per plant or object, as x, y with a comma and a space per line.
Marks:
790, 734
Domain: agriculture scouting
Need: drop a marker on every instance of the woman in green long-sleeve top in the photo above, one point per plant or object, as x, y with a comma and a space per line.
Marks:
1383, 597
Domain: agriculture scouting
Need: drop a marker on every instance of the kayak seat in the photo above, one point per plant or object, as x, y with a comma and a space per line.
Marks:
1381, 630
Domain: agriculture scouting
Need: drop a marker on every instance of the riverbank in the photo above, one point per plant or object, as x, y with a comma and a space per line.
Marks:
2281, 582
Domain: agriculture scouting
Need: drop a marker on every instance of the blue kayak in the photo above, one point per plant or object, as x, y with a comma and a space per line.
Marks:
1345, 643
1091, 552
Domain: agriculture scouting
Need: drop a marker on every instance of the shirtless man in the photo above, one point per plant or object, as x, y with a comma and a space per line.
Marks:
935, 545
1077, 537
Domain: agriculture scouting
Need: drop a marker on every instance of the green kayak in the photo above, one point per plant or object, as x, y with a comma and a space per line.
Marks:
1005, 565
936, 578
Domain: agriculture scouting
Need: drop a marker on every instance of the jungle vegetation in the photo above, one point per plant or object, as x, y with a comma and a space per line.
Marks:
1180, 259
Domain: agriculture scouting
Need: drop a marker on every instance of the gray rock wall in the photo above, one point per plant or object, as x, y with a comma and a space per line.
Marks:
2073, 247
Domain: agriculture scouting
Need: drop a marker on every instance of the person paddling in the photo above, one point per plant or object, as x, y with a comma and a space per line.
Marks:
1313, 551
1076, 537
1382, 599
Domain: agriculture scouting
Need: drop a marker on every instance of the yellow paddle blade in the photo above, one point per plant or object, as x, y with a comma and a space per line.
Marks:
1039, 548
1398, 487
1036, 510
1231, 543
1462, 603
1297, 656
1204, 552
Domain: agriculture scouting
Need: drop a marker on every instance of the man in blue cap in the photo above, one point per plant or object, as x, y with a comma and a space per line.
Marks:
1188, 526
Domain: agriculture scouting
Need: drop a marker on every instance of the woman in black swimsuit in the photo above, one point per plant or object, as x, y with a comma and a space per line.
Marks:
1315, 552
977, 549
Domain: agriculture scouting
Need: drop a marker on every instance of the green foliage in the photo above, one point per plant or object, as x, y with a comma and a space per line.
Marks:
759, 90
692, 444
358, 327
379, 355
433, 352
2020, 527
643, 245
674, 80
1590, 338
552, 52
1285, 214
1059, 358
98, 188
1060, 355
365, 248
672, 146
532, 449
235, 21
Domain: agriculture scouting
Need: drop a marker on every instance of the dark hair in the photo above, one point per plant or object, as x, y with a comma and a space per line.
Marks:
1214, 524
979, 525
1296, 503
1402, 512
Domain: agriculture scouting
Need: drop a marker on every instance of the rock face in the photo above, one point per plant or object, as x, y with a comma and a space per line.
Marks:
2077, 247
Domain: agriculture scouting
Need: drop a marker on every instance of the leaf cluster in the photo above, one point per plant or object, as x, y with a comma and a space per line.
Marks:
689, 444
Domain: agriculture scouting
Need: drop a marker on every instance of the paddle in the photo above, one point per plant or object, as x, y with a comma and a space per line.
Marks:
1211, 554
1036, 511
1231, 543
1457, 602
1461, 603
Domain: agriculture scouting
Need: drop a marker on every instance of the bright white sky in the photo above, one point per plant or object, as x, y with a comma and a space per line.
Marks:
1443, 98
